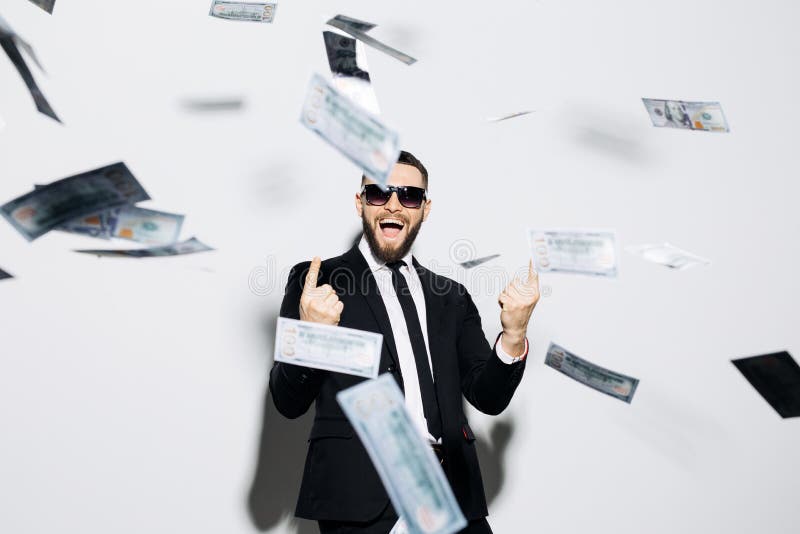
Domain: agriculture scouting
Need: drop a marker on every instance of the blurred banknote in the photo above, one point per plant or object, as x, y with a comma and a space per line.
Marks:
706, 116
668, 255
776, 377
574, 251
47, 5
410, 471
354, 132
4, 275
509, 116
190, 246
332, 348
213, 104
11, 43
146, 226
36, 213
474, 263
614, 384
348, 62
359, 28
247, 11
95, 225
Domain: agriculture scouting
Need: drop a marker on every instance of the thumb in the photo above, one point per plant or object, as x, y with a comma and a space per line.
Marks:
313, 274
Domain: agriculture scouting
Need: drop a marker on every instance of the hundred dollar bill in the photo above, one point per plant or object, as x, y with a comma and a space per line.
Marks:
668, 255
47, 5
4, 275
36, 213
190, 246
359, 29
353, 131
474, 263
614, 384
410, 471
706, 116
93, 225
11, 43
332, 348
574, 251
146, 226
510, 116
247, 11
348, 61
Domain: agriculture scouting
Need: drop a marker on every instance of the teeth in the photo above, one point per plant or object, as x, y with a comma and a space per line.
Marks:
392, 221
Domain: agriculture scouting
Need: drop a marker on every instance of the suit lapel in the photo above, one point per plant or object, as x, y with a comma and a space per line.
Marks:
367, 287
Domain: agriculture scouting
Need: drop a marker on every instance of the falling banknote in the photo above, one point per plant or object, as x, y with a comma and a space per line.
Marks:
354, 132
4, 275
478, 261
348, 62
410, 471
247, 11
47, 5
332, 348
145, 226
190, 246
574, 251
668, 255
707, 116
614, 384
358, 29
36, 213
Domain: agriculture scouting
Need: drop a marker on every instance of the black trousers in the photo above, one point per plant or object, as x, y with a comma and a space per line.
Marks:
384, 523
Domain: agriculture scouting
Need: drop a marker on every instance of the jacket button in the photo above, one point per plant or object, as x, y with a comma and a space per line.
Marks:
391, 369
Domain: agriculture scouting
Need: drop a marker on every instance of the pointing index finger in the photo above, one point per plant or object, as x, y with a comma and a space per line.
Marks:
313, 274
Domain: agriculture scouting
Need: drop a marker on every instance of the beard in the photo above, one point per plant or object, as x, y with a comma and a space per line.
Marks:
389, 253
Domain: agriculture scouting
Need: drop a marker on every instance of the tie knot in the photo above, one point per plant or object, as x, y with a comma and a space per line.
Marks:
395, 265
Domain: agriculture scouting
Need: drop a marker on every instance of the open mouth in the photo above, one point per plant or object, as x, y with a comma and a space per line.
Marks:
391, 227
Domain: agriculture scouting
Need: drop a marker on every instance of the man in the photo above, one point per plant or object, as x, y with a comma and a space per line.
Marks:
433, 345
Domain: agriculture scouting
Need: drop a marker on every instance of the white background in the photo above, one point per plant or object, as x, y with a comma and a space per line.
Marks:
132, 392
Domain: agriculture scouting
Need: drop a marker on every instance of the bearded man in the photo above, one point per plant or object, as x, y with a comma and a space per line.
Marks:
434, 347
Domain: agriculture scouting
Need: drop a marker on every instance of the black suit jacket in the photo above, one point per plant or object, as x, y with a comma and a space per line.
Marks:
339, 480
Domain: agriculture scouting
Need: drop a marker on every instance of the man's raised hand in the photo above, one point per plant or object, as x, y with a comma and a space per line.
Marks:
516, 305
319, 304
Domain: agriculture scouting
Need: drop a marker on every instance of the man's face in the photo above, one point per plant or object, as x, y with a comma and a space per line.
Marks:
391, 229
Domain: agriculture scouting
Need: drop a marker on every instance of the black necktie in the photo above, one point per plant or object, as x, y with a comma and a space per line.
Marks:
430, 405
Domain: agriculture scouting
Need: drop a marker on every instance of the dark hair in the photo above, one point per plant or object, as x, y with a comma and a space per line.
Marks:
407, 158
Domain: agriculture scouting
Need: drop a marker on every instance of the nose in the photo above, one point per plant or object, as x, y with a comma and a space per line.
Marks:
393, 204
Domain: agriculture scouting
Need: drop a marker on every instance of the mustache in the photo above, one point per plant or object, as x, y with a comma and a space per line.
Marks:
403, 218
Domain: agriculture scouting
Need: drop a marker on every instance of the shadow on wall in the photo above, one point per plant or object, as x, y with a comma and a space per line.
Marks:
282, 452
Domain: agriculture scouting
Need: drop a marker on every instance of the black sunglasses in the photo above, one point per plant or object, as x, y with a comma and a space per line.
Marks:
409, 196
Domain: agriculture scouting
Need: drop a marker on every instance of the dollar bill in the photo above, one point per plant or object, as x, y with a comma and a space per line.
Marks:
478, 261
146, 226
246, 11
668, 255
404, 460
348, 62
707, 116
510, 116
359, 29
190, 246
776, 377
574, 251
353, 131
11, 43
43, 209
47, 5
95, 225
4, 275
614, 384
332, 348
213, 104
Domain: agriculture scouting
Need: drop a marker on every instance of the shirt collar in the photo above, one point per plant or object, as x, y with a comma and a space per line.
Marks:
374, 263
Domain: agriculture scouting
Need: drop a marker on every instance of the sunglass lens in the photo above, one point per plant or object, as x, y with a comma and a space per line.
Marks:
375, 195
411, 197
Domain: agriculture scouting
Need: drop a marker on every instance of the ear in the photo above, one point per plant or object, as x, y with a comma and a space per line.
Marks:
359, 206
426, 210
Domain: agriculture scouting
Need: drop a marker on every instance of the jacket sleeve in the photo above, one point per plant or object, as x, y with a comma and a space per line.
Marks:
294, 387
486, 382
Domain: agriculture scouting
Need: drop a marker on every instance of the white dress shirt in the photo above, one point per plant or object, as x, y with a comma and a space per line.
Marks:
402, 340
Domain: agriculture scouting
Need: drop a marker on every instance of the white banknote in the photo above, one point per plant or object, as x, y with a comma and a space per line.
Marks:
574, 251
668, 255
706, 116
410, 471
359, 28
353, 131
247, 11
145, 226
328, 347
614, 384
190, 246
